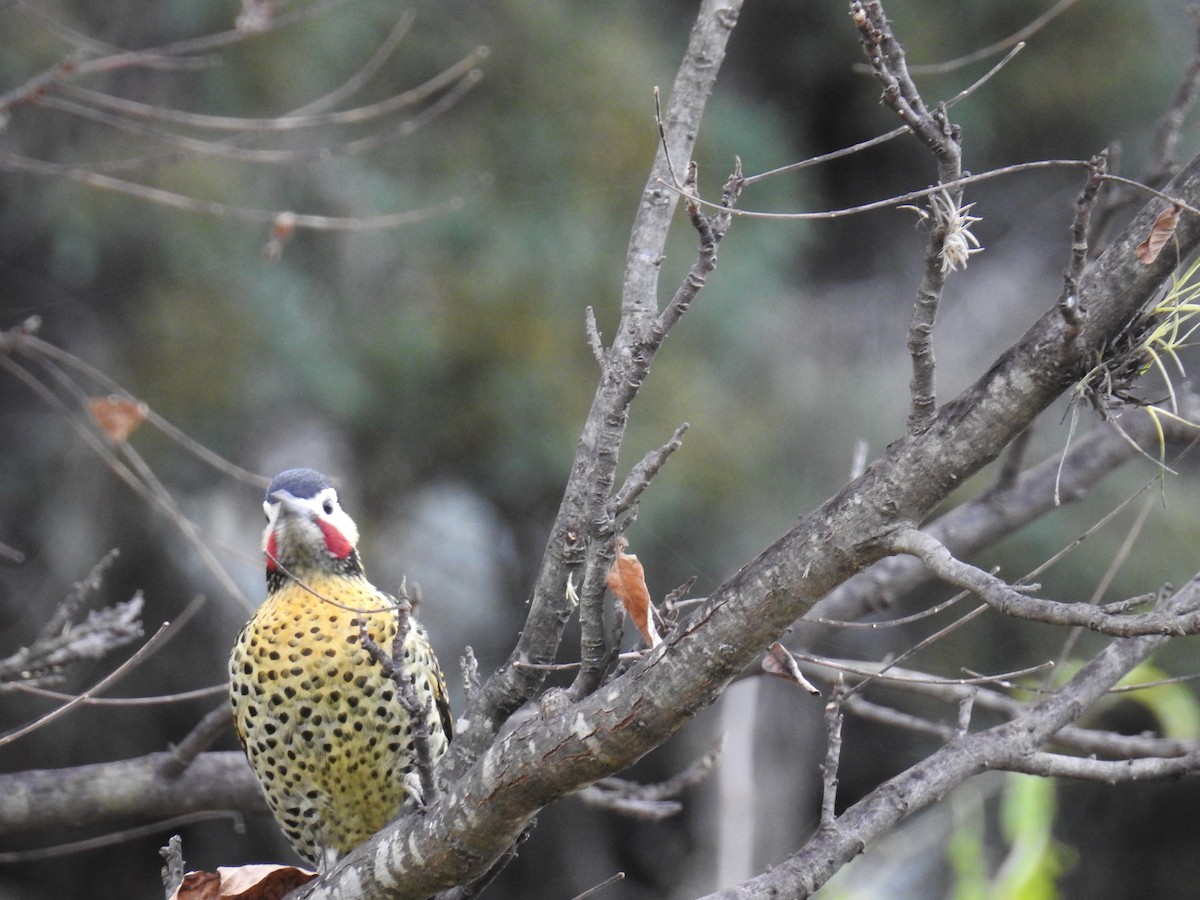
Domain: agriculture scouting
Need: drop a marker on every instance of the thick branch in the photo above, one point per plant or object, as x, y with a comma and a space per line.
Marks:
141, 788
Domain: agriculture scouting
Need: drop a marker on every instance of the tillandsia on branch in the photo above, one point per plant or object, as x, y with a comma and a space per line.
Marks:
950, 241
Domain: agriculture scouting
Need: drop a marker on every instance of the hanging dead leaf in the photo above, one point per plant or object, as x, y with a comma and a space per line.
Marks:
255, 882
1160, 232
118, 417
778, 661
282, 230
627, 581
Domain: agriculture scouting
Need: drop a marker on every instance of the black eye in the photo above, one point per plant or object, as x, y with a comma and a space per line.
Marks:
328, 507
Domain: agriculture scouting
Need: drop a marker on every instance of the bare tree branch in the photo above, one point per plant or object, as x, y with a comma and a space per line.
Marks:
104, 793
63, 642
949, 220
581, 532
1010, 601
981, 522
1007, 746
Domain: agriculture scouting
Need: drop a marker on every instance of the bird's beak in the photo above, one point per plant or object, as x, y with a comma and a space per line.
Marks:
291, 506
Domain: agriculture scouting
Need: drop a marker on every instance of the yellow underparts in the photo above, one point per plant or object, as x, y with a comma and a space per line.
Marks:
319, 718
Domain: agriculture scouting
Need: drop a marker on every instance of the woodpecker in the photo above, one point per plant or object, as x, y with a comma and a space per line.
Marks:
317, 715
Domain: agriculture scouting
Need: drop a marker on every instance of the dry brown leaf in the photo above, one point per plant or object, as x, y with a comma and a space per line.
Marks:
627, 581
117, 417
778, 661
1160, 232
255, 882
198, 886
282, 230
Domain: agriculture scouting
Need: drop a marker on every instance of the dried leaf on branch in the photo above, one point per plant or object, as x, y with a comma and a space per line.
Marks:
254, 882
118, 417
1161, 231
627, 581
778, 661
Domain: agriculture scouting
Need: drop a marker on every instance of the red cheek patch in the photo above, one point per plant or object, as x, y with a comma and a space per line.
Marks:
335, 541
272, 553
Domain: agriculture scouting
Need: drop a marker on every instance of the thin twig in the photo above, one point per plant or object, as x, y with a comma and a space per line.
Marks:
662, 136
226, 210
833, 752
1017, 37
965, 707
29, 341
136, 658
596, 889
89, 44
883, 138
137, 110
889, 673
651, 802
875, 625
1010, 601
211, 726
640, 475
156, 700
67, 609
133, 470
712, 230
948, 217
187, 146
593, 336
418, 710
119, 837
155, 57
1073, 737
1068, 303
1161, 162
1106, 580
910, 196
52, 653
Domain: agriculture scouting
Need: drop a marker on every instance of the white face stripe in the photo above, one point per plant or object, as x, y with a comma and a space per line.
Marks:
316, 509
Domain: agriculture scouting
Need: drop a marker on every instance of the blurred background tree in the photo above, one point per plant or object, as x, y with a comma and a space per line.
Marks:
440, 371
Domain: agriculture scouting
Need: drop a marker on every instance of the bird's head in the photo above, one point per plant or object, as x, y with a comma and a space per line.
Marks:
307, 529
